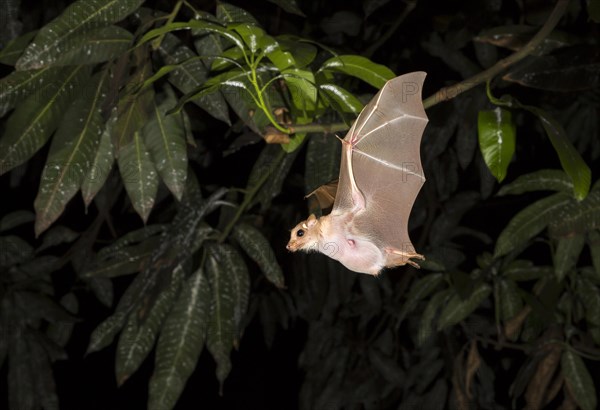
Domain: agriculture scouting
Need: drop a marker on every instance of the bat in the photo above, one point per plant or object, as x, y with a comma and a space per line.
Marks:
380, 177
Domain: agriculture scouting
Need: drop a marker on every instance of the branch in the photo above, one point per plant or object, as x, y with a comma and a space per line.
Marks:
448, 93
410, 5
327, 128
250, 196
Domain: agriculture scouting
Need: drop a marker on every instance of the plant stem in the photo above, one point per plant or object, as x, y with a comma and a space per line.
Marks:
263, 105
156, 43
302, 128
250, 196
410, 5
448, 93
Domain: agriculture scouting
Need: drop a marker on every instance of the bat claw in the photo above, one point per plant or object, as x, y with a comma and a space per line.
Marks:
343, 141
399, 257
413, 264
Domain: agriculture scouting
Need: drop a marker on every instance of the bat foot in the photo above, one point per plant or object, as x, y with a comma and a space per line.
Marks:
397, 257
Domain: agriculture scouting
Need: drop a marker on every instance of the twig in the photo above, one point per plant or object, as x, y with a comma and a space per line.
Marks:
249, 197
410, 5
448, 93
303, 128
156, 43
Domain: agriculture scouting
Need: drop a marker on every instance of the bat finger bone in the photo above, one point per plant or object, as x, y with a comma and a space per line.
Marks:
343, 141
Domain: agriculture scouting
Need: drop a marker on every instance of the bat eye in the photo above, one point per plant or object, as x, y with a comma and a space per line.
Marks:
300, 233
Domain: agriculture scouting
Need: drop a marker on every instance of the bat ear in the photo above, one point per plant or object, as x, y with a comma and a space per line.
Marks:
311, 221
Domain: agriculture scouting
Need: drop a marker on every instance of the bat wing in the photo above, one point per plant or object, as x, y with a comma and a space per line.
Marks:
386, 162
325, 194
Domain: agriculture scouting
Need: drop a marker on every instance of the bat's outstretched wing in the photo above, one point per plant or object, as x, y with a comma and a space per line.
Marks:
386, 163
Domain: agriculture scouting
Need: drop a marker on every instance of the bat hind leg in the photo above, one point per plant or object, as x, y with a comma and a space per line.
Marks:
396, 257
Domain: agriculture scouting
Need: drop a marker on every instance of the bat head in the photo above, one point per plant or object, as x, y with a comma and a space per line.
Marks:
305, 235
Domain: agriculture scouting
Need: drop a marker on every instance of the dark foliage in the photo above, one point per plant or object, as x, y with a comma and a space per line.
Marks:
193, 130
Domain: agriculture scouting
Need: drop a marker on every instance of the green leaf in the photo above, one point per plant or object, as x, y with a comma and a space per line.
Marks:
510, 301
274, 52
360, 67
429, 314
180, 342
542, 180
13, 50
191, 73
515, 37
322, 161
32, 123
458, 309
101, 165
104, 334
233, 78
221, 328
257, 247
250, 33
527, 272
342, 100
61, 332
570, 69
139, 175
95, 46
200, 25
277, 164
138, 338
71, 153
234, 266
229, 13
291, 6
497, 135
301, 85
43, 375
578, 217
594, 244
419, 291
529, 222
579, 381
589, 294
297, 139
20, 375
16, 218
77, 19
133, 109
240, 101
227, 59
14, 250
18, 85
116, 261
56, 236
304, 53
570, 159
164, 136
567, 253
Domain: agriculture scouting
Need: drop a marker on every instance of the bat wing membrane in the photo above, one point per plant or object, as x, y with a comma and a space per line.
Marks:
386, 162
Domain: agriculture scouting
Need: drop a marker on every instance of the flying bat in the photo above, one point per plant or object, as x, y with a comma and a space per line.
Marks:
380, 177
